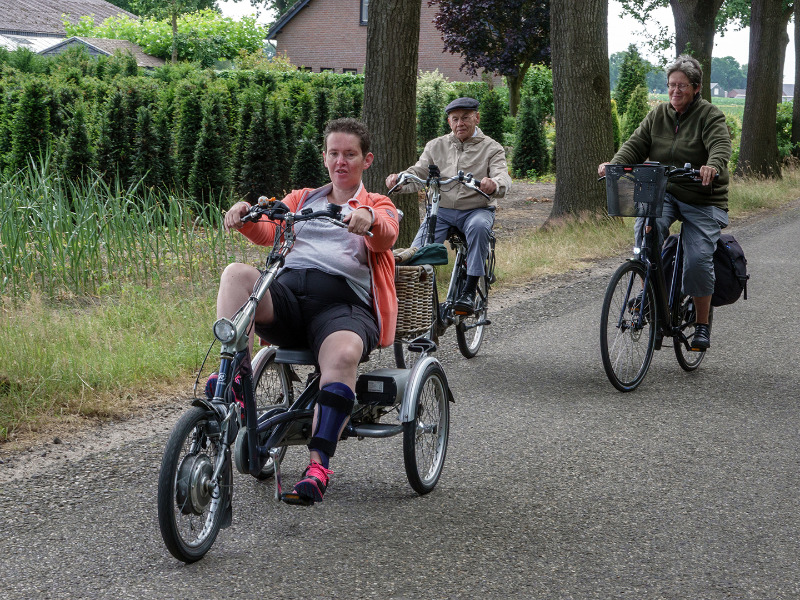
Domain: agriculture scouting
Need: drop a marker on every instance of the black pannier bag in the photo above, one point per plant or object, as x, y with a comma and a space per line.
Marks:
730, 268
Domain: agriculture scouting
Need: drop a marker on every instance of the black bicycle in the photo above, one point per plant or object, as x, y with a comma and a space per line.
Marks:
280, 388
640, 308
470, 326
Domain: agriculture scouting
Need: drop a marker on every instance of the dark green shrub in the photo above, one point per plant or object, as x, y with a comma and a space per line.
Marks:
146, 151
321, 112
492, 111
258, 175
308, 170
616, 126
186, 130
112, 156
429, 115
76, 153
30, 128
637, 110
530, 147
632, 74
210, 177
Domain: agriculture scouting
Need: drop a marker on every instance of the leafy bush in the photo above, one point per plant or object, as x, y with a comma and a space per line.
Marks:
615, 125
492, 111
636, 111
203, 36
530, 148
784, 126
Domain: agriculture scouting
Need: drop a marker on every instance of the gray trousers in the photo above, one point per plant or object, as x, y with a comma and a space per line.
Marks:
701, 230
476, 224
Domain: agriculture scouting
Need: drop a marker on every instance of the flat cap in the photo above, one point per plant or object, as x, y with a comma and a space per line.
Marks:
463, 104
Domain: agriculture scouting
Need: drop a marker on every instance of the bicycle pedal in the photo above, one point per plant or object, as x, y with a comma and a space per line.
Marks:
296, 499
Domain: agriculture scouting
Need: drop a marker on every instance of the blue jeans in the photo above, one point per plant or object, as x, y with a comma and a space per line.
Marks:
701, 230
476, 224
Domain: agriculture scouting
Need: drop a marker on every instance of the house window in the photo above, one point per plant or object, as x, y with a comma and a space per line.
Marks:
323, 69
363, 18
353, 71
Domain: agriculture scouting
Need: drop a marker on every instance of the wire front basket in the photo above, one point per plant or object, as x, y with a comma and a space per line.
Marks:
635, 190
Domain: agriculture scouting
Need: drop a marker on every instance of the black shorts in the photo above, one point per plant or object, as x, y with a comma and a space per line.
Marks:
309, 305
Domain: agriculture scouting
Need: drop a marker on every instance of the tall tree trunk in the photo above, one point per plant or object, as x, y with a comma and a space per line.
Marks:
796, 99
582, 96
390, 100
758, 153
514, 83
175, 36
694, 33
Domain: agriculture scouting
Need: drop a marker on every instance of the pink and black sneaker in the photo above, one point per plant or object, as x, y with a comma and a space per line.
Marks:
311, 487
238, 396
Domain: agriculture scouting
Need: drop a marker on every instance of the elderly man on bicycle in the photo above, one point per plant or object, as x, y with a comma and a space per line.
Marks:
335, 293
688, 129
466, 149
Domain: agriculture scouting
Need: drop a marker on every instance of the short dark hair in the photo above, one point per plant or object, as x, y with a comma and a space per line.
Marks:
689, 66
348, 125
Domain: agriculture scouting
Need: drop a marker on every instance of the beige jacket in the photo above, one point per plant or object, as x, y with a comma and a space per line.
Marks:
479, 155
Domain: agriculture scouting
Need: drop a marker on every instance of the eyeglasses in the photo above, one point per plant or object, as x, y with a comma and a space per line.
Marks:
679, 86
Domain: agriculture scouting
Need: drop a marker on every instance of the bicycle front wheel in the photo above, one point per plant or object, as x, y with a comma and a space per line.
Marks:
471, 329
191, 505
628, 327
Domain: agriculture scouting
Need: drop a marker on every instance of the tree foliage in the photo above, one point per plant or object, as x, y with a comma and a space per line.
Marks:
632, 74
204, 35
530, 156
636, 111
728, 73
500, 36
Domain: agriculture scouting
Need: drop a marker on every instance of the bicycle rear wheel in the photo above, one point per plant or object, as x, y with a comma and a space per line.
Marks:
471, 329
627, 337
687, 359
272, 389
425, 437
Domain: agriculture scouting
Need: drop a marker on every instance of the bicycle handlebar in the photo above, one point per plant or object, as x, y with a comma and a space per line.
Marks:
466, 180
278, 211
685, 171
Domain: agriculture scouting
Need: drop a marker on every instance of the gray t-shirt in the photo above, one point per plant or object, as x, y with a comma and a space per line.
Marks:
324, 246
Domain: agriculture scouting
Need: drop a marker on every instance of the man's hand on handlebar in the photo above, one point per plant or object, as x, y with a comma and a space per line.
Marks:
488, 186
359, 221
233, 218
391, 180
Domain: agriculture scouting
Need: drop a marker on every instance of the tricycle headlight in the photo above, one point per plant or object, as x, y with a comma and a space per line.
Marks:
224, 331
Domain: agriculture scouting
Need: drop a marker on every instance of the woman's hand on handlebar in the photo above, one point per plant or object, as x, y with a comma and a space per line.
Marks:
707, 174
359, 221
233, 218
601, 169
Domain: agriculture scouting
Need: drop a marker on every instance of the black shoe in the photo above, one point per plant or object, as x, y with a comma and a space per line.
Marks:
465, 304
635, 304
701, 340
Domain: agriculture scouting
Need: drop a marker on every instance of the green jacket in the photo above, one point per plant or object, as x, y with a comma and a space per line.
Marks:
699, 136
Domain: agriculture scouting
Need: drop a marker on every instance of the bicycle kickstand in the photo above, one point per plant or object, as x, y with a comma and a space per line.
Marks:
275, 454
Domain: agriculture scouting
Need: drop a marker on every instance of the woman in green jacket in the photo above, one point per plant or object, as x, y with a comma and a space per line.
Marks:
688, 129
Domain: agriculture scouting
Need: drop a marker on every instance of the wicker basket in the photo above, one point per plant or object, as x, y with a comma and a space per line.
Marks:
415, 300
635, 190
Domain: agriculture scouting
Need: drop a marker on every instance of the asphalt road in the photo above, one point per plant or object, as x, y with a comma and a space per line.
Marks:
556, 486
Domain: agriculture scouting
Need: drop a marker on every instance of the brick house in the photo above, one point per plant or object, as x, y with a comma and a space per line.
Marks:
343, 44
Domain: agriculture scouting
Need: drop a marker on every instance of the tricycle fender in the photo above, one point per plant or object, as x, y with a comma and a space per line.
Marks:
408, 408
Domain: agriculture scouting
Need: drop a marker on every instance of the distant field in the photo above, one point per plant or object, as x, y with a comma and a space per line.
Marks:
729, 106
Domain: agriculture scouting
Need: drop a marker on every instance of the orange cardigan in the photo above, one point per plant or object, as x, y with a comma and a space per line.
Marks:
385, 228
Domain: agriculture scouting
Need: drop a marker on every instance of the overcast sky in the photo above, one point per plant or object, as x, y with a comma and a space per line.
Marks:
622, 32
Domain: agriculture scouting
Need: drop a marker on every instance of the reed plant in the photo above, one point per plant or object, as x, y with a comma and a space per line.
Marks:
108, 291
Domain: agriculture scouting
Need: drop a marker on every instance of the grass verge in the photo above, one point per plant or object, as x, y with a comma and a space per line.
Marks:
71, 360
